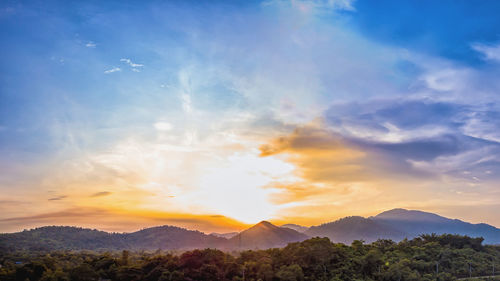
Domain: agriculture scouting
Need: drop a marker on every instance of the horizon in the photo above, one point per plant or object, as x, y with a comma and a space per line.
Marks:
216, 115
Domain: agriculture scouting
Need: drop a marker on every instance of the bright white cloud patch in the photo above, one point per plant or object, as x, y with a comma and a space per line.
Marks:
163, 126
114, 69
132, 64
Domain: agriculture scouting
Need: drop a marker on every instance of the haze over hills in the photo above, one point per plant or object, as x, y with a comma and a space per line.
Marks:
395, 224
296, 227
225, 235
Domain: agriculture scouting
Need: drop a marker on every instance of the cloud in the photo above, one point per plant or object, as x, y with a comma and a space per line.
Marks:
410, 131
401, 150
120, 220
316, 5
133, 65
90, 44
101, 194
489, 52
57, 198
114, 69
162, 126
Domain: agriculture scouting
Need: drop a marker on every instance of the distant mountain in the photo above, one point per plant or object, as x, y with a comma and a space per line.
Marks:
398, 224
265, 235
355, 228
171, 237
61, 238
296, 227
75, 238
414, 223
225, 235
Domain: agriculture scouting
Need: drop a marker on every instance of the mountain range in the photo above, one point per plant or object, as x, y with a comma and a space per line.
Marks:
395, 224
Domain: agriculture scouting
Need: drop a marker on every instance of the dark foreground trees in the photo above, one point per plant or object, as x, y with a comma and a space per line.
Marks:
429, 257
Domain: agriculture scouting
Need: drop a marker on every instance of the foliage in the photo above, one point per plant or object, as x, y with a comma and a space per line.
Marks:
428, 257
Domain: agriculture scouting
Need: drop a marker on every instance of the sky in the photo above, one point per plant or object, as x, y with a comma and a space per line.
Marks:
214, 115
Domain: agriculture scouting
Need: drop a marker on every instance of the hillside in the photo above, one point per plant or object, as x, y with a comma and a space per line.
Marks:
75, 238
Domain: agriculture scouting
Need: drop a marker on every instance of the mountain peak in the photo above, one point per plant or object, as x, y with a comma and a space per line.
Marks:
409, 215
265, 223
265, 235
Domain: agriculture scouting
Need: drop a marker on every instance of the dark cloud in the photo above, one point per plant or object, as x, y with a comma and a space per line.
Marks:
100, 194
386, 138
65, 214
57, 198
403, 114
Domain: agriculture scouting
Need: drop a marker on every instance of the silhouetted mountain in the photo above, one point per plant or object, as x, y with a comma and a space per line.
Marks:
414, 223
171, 237
296, 227
225, 235
75, 238
355, 228
61, 237
265, 235
398, 224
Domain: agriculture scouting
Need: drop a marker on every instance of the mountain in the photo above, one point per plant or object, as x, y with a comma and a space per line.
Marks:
265, 235
224, 235
171, 237
60, 238
395, 224
75, 238
355, 228
398, 224
414, 223
261, 236
296, 227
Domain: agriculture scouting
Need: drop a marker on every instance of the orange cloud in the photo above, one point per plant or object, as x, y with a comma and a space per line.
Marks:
336, 177
120, 220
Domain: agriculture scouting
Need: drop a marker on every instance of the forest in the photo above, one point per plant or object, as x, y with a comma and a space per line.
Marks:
427, 257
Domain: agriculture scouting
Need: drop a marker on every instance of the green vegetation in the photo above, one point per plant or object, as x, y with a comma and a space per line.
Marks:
428, 257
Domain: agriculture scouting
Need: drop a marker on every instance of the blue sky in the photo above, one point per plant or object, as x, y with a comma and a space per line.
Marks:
173, 111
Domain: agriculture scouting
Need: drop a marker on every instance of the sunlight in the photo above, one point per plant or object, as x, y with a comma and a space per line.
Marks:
236, 187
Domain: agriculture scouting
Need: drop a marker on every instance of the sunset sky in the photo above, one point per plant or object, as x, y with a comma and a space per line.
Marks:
214, 115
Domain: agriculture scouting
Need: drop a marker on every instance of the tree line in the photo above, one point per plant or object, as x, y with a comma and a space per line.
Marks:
428, 257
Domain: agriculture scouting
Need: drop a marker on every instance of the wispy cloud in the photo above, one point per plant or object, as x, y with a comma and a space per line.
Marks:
57, 198
101, 194
90, 44
490, 52
129, 62
114, 69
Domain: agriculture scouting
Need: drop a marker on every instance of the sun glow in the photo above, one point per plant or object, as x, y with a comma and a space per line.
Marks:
237, 188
